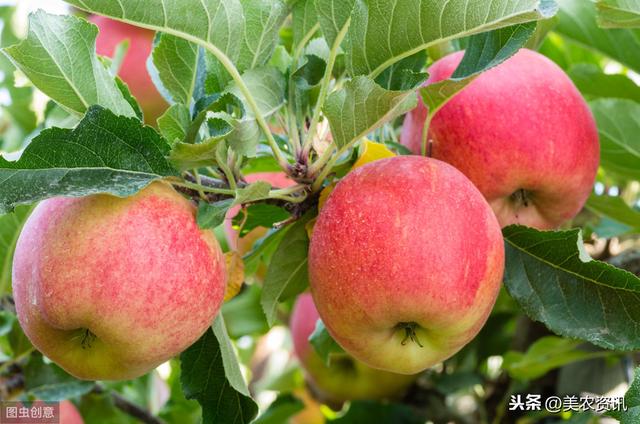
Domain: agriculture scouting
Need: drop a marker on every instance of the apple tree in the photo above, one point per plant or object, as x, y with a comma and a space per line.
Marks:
313, 211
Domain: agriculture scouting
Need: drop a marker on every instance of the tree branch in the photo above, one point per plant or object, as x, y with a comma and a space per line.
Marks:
129, 407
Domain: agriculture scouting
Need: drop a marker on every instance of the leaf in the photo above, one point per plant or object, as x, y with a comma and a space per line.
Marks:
283, 408
618, 13
174, 123
403, 28
235, 274
176, 61
211, 215
246, 32
556, 282
252, 193
323, 343
287, 273
185, 156
619, 126
367, 411
544, 355
369, 152
631, 401
105, 153
76, 80
309, 74
405, 74
593, 83
10, 228
577, 22
362, 106
229, 358
259, 215
243, 314
304, 20
267, 86
615, 209
203, 378
485, 51
50, 383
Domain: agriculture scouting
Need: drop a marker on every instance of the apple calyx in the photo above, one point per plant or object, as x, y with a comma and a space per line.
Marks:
521, 197
87, 338
410, 333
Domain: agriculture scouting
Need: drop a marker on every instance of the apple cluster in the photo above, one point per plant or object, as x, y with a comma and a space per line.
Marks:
405, 261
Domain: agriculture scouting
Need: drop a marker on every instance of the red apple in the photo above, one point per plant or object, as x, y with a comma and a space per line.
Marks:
69, 413
134, 67
405, 263
522, 133
345, 378
109, 288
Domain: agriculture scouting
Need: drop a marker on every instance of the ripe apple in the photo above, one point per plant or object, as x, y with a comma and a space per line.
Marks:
405, 263
69, 414
245, 244
522, 133
134, 67
109, 288
345, 378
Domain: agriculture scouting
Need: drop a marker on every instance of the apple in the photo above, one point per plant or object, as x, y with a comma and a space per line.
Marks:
522, 133
405, 263
345, 378
245, 244
109, 288
69, 413
134, 66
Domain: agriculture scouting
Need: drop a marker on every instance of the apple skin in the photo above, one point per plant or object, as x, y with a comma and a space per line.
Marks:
134, 66
136, 272
520, 126
69, 413
345, 378
406, 243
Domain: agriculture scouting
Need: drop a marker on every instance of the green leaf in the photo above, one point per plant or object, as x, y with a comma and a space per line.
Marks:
76, 80
544, 355
619, 126
10, 228
210, 215
577, 22
176, 61
631, 401
48, 382
362, 106
615, 209
267, 86
229, 357
105, 153
484, 52
304, 19
259, 215
252, 193
243, 314
405, 74
203, 378
246, 32
367, 411
618, 13
283, 408
556, 282
310, 73
174, 123
403, 28
287, 273
323, 343
189, 156
593, 83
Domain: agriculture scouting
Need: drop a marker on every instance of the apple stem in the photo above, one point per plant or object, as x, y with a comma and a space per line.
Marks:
410, 333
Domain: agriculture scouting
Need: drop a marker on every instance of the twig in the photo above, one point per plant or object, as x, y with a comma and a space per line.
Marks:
129, 407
